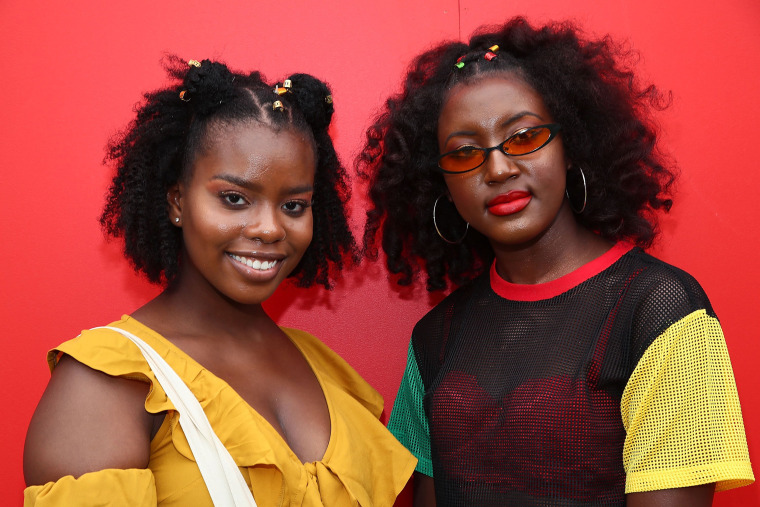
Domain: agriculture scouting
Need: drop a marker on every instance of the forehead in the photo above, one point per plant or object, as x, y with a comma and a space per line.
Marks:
253, 151
490, 100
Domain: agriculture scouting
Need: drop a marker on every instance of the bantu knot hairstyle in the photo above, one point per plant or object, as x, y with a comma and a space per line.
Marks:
159, 146
589, 88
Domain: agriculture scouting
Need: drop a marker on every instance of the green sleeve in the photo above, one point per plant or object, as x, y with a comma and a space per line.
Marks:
408, 422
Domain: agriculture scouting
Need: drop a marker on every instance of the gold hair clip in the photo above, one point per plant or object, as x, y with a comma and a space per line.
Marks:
277, 106
329, 99
285, 88
194, 63
183, 96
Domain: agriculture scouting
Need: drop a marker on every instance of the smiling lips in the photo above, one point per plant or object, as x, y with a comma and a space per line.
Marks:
255, 263
509, 203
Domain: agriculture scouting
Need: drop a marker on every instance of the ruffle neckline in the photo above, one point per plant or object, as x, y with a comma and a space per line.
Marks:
242, 437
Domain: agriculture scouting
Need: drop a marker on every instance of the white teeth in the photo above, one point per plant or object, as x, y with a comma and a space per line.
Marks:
255, 264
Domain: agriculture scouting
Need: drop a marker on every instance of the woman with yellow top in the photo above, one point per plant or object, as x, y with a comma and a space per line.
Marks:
225, 186
571, 368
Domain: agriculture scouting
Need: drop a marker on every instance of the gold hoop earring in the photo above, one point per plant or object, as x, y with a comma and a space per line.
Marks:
435, 224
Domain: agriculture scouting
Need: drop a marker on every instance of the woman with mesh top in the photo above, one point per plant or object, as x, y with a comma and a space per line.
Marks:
570, 368
225, 186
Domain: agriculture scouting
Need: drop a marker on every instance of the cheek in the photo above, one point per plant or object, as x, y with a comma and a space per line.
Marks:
212, 223
464, 193
307, 234
226, 228
301, 231
554, 179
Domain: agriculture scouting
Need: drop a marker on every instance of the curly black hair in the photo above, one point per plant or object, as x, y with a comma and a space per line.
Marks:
589, 88
159, 146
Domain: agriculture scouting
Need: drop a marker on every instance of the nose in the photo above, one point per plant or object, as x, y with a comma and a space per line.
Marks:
499, 167
264, 224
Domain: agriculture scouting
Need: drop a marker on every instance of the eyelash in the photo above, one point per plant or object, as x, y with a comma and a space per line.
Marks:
225, 198
304, 205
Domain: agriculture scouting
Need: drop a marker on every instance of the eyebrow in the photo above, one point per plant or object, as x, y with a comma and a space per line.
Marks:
241, 182
511, 119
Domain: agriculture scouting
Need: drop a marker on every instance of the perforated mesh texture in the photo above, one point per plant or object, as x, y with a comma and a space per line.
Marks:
682, 395
523, 398
408, 418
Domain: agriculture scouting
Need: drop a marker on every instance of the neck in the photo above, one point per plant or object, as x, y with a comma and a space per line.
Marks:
191, 307
550, 256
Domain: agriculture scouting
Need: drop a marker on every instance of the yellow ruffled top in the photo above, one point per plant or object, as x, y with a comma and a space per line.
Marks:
363, 464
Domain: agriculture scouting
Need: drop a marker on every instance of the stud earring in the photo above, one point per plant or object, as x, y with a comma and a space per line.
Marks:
176, 220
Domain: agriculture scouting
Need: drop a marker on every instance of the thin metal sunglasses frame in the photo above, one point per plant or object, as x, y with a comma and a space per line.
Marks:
553, 128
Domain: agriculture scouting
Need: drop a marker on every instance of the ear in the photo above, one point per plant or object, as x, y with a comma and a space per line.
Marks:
174, 201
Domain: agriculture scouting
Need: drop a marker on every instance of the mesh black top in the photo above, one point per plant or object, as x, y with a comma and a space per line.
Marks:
513, 394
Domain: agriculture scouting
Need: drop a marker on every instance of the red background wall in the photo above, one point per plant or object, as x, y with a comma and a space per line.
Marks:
70, 73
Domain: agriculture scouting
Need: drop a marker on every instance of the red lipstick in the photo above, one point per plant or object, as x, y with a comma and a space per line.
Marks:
509, 203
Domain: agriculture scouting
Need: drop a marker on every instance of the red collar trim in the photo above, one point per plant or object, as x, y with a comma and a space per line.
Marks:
539, 291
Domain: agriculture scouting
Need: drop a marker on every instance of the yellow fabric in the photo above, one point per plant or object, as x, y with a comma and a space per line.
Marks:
681, 412
363, 464
126, 488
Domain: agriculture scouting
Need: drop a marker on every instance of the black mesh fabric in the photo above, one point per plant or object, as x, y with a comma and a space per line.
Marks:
523, 397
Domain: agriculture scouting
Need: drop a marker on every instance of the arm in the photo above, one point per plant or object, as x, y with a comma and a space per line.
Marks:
409, 425
694, 496
682, 416
87, 421
424, 490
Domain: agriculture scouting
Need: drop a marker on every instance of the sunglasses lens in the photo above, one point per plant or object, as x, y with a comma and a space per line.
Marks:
461, 160
527, 141
524, 141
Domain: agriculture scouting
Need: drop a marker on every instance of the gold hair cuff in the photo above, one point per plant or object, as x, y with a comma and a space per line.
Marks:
285, 88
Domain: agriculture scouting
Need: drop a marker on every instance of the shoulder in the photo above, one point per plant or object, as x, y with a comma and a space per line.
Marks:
335, 370
92, 414
86, 421
107, 350
661, 295
430, 337
453, 304
435, 324
659, 284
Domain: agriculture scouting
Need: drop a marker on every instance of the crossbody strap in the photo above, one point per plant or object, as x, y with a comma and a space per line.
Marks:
222, 476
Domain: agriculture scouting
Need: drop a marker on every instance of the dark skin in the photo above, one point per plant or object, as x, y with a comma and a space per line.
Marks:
543, 241
424, 490
538, 243
248, 195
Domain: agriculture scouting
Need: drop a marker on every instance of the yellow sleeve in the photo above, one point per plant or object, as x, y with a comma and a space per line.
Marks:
681, 412
116, 488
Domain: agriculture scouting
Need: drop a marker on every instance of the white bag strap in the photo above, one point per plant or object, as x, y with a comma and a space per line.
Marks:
223, 479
